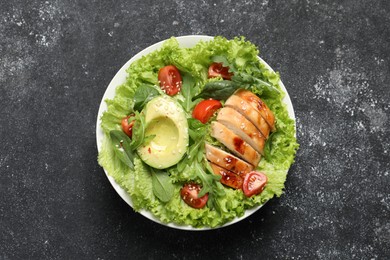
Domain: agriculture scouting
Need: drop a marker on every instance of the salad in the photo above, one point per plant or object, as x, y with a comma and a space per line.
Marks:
197, 136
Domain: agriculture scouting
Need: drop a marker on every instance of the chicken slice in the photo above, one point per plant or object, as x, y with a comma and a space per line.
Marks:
228, 178
242, 127
259, 105
235, 143
227, 160
250, 113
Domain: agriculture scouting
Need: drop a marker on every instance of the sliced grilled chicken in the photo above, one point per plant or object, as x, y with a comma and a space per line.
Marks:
241, 126
259, 105
227, 160
249, 112
228, 178
235, 143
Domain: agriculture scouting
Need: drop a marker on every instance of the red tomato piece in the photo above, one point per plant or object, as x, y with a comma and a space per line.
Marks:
217, 69
205, 109
189, 193
128, 127
170, 80
254, 183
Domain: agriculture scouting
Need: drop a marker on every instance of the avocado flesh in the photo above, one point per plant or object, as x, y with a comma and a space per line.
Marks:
166, 121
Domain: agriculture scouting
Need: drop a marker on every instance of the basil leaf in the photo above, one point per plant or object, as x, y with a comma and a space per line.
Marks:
219, 90
162, 186
143, 95
122, 149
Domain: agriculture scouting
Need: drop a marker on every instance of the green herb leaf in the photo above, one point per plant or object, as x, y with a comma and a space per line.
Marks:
181, 165
196, 159
197, 132
196, 129
195, 124
194, 150
121, 144
210, 184
248, 81
188, 90
162, 185
143, 95
219, 90
138, 130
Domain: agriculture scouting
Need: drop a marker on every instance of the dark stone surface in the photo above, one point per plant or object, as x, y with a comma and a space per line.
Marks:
56, 60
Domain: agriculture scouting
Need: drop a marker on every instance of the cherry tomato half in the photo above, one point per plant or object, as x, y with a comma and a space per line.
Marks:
205, 109
254, 183
189, 193
216, 69
170, 80
126, 126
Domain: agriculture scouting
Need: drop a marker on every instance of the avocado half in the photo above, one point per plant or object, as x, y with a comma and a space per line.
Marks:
166, 121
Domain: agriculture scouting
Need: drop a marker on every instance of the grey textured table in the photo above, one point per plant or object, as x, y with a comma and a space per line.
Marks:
56, 60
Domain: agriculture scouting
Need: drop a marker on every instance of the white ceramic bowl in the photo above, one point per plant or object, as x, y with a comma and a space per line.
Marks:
120, 78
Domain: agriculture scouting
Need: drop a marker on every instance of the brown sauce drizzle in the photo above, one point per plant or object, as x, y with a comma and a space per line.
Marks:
239, 145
